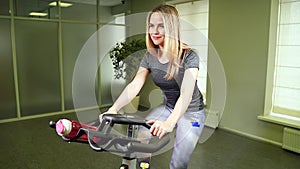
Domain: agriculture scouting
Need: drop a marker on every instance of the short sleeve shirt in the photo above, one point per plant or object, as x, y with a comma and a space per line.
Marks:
171, 88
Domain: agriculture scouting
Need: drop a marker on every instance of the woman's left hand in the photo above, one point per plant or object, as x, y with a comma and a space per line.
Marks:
160, 128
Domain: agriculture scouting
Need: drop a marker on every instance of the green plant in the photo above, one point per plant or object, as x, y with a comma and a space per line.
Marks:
126, 57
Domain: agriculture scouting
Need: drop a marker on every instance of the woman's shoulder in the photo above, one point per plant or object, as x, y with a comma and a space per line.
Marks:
190, 54
148, 56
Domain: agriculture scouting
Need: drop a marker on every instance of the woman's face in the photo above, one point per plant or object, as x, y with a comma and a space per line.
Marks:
156, 29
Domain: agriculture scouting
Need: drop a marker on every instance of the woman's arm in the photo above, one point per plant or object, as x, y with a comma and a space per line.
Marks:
186, 92
131, 90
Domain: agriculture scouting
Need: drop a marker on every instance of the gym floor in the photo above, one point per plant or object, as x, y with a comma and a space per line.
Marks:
32, 144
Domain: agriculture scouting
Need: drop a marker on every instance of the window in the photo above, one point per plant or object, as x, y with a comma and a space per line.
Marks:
4, 7
283, 83
36, 49
35, 9
194, 25
7, 90
41, 40
114, 31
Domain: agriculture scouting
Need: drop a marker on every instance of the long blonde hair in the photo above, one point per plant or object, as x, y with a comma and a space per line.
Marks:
174, 49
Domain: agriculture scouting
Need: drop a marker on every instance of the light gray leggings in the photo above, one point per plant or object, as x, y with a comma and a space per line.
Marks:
188, 131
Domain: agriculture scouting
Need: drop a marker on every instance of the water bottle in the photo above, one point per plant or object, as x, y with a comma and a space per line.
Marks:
69, 129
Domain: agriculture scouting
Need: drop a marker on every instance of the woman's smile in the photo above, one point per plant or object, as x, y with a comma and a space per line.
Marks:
156, 37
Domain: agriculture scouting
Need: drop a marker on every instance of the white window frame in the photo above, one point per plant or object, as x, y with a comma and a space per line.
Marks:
273, 35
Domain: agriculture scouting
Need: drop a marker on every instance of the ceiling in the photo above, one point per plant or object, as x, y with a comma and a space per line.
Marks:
102, 2
110, 2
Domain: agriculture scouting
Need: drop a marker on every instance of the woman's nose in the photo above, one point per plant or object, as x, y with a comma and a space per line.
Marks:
155, 30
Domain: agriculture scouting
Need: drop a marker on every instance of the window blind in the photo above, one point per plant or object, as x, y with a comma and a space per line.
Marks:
286, 88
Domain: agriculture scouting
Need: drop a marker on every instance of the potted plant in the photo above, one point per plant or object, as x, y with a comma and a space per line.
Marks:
126, 57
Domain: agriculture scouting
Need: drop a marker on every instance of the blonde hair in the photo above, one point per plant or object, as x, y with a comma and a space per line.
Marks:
174, 49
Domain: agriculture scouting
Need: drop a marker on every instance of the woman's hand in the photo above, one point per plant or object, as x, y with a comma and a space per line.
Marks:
160, 128
109, 111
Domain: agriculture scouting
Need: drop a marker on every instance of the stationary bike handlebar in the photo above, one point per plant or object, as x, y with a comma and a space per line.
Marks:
102, 139
123, 119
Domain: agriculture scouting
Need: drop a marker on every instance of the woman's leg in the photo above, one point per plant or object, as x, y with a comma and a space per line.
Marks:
189, 129
159, 113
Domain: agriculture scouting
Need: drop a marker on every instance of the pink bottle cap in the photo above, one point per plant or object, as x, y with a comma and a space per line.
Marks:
60, 128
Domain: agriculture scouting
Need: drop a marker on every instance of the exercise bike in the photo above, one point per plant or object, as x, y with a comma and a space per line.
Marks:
101, 137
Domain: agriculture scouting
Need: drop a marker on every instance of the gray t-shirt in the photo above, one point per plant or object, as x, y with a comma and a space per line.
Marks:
171, 88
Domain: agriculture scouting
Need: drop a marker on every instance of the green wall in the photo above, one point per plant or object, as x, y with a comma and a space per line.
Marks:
239, 30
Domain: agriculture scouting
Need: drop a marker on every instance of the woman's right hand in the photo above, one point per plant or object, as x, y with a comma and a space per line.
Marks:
109, 111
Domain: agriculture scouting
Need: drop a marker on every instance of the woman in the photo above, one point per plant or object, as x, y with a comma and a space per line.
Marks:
174, 68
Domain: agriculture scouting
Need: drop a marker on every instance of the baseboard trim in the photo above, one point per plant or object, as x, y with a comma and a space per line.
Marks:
253, 137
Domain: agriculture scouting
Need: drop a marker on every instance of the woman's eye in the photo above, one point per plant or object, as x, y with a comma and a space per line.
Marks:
161, 25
